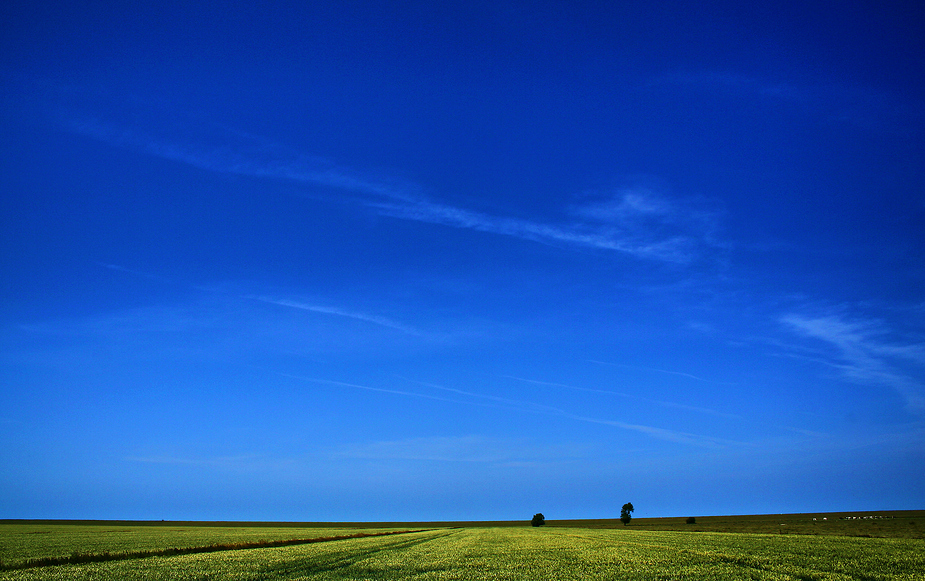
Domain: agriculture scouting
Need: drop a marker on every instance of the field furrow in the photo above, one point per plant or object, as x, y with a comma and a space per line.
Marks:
532, 553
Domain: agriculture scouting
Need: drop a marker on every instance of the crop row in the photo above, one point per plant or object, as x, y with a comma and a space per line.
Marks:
75, 558
530, 553
29, 542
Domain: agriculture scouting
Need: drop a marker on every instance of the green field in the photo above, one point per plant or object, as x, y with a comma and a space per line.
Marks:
471, 552
24, 542
908, 524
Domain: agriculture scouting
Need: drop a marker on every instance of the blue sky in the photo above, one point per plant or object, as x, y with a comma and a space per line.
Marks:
418, 261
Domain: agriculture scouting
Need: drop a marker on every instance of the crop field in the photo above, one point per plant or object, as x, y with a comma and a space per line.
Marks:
895, 524
20, 543
526, 553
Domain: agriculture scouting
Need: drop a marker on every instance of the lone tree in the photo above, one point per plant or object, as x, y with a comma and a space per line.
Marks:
626, 513
538, 520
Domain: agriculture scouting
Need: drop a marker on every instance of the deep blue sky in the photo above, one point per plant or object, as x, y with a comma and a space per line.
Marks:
417, 260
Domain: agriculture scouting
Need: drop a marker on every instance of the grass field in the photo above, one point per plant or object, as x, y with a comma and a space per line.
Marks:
595, 551
21, 543
908, 524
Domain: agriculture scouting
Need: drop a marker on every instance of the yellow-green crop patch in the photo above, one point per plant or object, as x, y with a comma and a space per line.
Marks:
533, 553
23, 542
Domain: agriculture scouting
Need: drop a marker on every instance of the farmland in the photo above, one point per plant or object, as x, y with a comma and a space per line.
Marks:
21, 543
896, 524
471, 552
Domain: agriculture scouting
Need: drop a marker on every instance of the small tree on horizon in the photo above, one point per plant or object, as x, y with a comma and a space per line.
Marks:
626, 513
538, 520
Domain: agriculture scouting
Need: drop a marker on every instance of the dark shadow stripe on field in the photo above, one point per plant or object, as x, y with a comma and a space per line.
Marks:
346, 556
78, 558
788, 569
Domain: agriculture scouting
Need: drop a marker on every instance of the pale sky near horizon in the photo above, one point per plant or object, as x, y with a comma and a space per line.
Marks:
460, 261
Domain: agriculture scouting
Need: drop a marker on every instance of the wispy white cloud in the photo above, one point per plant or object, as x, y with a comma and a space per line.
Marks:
862, 106
640, 208
210, 324
219, 461
495, 401
660, 433
471, 398
370, 388
148, 275
863, 354
325, 309
636, 397
465, 449
238, 154
740, 83
375, 319
626, 227
678, 373
639, 242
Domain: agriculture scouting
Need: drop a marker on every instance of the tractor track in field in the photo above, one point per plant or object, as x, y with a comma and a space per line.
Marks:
79, 558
